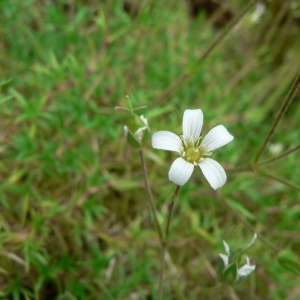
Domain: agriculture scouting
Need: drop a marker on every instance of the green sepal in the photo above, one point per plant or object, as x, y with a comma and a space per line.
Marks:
135, 123
220, 270
230, 274
147, 136
132, 140
237, 256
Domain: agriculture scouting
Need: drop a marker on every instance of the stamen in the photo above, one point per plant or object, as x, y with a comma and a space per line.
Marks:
198, 142
183, 141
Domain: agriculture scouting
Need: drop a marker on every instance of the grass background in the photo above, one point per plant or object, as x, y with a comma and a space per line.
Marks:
74, 217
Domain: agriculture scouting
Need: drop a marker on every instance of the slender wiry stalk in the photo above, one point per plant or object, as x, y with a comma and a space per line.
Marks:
286, 153
150, 196
165, 241
279, 179
286, 103
190, 70
162, 270
221, 291
171, 209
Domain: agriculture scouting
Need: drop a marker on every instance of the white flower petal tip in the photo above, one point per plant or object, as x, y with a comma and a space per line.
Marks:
252, 242
192, 123
213, 172
227, 249
180, 171
225, 259
217, 137
144, 120
246, 270
166, 140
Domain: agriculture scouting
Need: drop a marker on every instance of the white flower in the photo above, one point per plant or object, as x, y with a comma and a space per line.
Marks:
193, 150
246, 269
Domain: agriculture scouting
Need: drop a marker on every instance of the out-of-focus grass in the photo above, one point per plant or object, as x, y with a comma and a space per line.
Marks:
74, 219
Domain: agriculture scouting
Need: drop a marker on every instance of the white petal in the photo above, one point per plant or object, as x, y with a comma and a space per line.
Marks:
216, 138
227, 249
247, 260
213, 172
192, 123
225, 259
166, 140
144, 120
245, 270
252, 242
180, 171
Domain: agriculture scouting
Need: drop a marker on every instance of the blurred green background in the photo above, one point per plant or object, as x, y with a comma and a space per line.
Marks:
74, 216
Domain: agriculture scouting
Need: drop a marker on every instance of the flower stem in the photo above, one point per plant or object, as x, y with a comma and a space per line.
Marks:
150, 197
286, 153
161, 271
171, 209
221, 291
165, 242
286, 103
162, 238
190, 70
283, 181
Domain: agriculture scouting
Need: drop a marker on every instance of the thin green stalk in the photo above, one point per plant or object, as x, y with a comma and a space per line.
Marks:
171, 209
286, 182
190, 70
161, 271
165, 242
150, 196
221, 291
286, 103
286, 153
249, 168
216, 292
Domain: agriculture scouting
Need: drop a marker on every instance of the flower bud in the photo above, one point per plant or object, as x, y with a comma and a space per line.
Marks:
137, 131
234, 269
230, 274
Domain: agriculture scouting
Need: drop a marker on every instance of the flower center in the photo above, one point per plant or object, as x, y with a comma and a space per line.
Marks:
194, 152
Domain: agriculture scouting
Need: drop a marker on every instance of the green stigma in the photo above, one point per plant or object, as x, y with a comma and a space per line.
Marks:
194, 154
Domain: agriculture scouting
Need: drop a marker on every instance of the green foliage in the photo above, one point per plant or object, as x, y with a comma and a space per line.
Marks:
289, 262
74, 218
